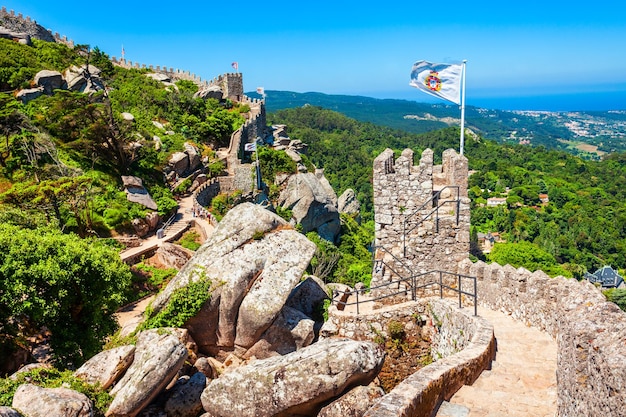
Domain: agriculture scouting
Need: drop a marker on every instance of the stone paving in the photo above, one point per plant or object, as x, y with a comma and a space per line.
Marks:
184, 217
522, 381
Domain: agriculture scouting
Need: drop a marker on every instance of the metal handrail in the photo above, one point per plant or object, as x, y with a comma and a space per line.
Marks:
435, 210
169, 221
411, 281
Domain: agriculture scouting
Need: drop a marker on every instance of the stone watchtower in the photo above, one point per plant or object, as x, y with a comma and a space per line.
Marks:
231, 85
422, 215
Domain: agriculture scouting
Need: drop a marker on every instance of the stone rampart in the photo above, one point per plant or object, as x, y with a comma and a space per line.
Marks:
463, 346
23, 27
174, 74
590, 332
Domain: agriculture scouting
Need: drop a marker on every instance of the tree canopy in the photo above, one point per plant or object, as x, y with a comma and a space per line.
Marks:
69, 285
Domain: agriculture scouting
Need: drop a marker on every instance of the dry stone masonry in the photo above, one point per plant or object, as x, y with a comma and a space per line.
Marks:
590, 331
407, 228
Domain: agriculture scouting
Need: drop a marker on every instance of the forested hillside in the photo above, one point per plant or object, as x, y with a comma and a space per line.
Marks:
62, 158
583, 226
586, 134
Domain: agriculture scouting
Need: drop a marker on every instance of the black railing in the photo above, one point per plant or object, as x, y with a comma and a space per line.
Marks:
412, 282
437, 204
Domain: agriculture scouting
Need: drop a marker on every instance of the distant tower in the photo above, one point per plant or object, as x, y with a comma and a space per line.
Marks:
232, 86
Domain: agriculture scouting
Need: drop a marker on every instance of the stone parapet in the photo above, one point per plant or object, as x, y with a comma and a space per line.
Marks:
590, 331
463, 346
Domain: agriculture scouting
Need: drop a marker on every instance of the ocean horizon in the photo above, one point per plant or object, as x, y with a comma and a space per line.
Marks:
561, 102
587, 101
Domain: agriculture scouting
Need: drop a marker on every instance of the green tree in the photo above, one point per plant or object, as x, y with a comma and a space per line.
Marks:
527, 255
71, 286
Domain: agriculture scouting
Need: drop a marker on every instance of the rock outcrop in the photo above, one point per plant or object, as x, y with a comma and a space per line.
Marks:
29, 94
254, 261
170, 255
184, 398
137, 193
348, 203
9, 412
184, 163
85, 79
158, 358
34, 401
212, 91
353, 404
49, 80
107, 366
294, 384
313, 204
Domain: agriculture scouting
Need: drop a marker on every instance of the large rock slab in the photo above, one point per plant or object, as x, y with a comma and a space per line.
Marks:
184, 400
354, 403
107, 366
288, 255
9, 412
292, 330
244, 257
49, 80
313, 204
158, 358
34, 401
294, 384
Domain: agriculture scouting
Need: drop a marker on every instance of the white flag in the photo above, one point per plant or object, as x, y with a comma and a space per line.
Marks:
260, 90
250, 147
439, 80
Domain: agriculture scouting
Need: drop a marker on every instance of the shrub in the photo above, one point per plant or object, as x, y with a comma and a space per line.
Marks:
53, 378
190, 240
396, 330
184, 303
617, 296
156, 277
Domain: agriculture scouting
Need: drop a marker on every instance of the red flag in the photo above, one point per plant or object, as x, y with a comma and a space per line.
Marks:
235, 65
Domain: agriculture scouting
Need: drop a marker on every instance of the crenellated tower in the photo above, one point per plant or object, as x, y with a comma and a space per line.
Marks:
422, 214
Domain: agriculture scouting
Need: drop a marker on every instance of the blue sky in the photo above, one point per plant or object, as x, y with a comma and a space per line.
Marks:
515, 50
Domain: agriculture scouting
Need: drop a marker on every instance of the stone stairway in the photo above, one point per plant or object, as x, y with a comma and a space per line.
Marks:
176, 227
522, 380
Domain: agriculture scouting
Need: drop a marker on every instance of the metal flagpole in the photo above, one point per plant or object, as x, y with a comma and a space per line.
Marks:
258, 166
463, 106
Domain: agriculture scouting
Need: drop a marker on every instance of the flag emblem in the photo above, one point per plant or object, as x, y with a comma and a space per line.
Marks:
440, 80
433, 82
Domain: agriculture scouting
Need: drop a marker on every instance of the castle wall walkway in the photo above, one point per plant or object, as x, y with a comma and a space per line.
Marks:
522, 380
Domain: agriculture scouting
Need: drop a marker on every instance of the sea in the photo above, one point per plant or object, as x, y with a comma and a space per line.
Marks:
562, 102
588, 101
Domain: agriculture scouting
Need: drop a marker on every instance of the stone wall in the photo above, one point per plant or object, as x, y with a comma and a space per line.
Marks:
24, 25
406, 225
231, 85
463, 346
591, 333
174, 74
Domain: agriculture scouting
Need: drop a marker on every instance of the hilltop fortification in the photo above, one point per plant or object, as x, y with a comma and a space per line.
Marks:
421, 212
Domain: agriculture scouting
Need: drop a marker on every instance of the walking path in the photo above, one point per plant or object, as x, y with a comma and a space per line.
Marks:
183, 219
522, 381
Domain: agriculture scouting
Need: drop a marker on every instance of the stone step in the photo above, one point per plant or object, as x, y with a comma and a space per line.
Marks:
452, 410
